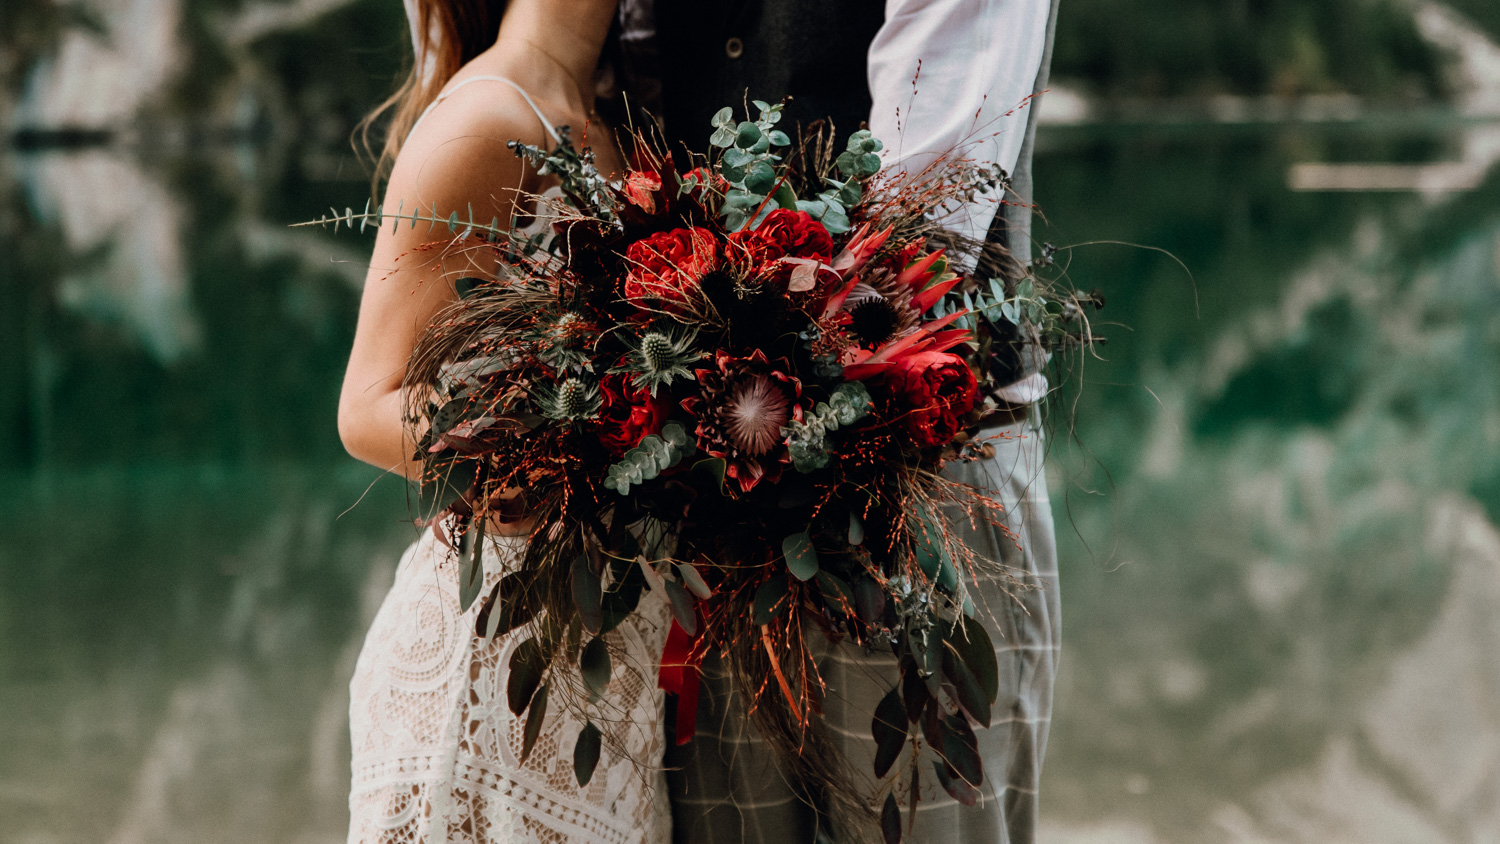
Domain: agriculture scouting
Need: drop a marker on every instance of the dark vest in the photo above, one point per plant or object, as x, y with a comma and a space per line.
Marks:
713, 53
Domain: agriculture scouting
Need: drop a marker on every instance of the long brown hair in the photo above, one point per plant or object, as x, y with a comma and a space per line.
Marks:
450, 34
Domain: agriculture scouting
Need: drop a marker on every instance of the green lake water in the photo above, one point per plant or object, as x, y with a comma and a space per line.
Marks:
1277, 493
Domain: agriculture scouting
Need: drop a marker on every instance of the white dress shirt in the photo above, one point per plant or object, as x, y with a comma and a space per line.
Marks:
979, 61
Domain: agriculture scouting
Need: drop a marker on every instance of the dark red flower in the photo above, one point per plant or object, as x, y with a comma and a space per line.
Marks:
934, 390
741, 406
629, 413
664, 266
784, 233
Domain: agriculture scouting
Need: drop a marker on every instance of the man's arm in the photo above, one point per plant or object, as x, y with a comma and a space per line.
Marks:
979, 63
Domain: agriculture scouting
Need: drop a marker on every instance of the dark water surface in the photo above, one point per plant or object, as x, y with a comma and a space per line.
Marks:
1281, 568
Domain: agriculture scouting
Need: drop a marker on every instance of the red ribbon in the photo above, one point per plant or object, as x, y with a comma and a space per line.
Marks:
679, 676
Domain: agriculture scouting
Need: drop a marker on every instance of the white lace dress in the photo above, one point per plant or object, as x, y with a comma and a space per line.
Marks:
437, 750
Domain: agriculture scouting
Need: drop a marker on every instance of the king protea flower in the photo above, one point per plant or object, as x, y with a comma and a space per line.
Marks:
741, 405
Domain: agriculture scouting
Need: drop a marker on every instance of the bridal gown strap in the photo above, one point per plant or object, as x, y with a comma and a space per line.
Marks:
551, 131
436, 749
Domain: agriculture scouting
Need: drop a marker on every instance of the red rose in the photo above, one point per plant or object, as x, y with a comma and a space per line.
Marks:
936, 388
667, 264
641, 188
629, 414
784, 233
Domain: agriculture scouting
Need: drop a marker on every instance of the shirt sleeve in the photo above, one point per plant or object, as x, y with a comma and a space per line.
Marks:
979, 61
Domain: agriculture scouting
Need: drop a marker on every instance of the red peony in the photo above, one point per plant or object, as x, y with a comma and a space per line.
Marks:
641, 188
937, 388
667, 264
629, 414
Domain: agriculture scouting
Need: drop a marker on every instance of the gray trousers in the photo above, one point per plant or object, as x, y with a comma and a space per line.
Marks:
726, 787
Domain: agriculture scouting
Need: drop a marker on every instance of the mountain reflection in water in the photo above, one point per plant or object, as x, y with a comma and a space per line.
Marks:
1282, 603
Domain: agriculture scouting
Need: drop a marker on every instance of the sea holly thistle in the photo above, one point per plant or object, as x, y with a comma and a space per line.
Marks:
573, 400
658, 358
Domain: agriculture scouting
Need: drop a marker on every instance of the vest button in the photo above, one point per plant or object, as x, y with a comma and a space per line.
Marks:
734, 48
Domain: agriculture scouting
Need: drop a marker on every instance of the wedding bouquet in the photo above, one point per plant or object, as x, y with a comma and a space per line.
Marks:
736, 384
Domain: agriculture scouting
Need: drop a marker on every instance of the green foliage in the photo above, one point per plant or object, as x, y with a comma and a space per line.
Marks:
747, 162
807, 439
655, 454
1189, 48
571, 401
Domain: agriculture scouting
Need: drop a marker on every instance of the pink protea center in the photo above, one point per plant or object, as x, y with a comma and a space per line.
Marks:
755, 413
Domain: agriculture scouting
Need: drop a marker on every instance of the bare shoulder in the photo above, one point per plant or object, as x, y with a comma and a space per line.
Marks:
458, 154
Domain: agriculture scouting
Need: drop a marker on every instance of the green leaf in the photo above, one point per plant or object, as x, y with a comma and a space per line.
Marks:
869, 599
856, 529
594, 666
889, 729
682, 606
890, 820
722, 138
747, 135
712, 468
967, 690
837, 593
588, 594
724, 117
526, 668
586, 753
694, 581
760, 177
620, 603
465, 287
931, 556
972, 644
961, 748
509, 606
762, 106
769, 599
535, 714
801, 557
471, 565
738, 158
778, 138
954, 785
448, 484
786, 197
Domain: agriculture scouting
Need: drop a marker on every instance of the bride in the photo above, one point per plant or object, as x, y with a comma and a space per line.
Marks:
436, 749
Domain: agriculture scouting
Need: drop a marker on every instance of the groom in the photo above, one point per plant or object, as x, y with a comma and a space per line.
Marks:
927, 76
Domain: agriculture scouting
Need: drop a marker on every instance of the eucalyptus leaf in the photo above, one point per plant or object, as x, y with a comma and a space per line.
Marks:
535, 714
966, 687
724, 117
586, 753
694, 581
747, 135
801, 557
779, 138
971, 642
889, 728
770, 599
471, 565
856, 529
890, 820
448, 484
682, 607
961, 749
588, 594
526, 668
594, 666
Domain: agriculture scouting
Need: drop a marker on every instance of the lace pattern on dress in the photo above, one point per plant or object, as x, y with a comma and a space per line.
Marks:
437, 749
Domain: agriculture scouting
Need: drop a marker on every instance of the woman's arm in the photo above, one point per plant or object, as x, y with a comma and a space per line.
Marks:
455, 159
